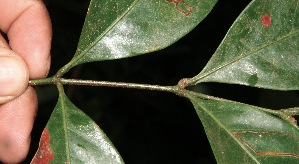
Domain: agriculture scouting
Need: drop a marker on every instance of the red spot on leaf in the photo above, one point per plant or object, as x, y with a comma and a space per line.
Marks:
44, 153
266, 20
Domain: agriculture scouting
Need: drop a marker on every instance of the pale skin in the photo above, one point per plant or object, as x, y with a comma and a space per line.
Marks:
25, 56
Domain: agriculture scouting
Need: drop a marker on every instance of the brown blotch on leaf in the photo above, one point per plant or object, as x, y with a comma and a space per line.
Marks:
44, 153
264, 152
188, 9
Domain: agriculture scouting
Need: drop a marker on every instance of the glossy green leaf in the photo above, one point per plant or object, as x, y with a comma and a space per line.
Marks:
72, 137
240, 133
261, 48
123, 28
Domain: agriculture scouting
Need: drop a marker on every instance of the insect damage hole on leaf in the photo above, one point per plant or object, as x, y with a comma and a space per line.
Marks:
182, 6
266, 20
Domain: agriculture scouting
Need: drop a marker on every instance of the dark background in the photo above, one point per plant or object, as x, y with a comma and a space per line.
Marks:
148, 127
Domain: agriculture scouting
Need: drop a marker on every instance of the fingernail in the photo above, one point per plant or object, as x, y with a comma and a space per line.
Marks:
13, 76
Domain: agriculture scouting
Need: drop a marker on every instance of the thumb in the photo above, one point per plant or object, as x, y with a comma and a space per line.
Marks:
14, 75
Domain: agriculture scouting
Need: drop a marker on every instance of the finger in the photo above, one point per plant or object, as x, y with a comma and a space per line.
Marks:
16, 121
28, 27
14, 75
3, 42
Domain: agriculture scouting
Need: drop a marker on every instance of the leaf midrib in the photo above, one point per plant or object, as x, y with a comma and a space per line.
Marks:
238, 58
225, 129
114, 23
65, 122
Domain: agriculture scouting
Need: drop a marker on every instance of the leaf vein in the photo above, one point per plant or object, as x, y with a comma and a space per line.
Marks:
226, 130
83, 53
238, 58
65, 124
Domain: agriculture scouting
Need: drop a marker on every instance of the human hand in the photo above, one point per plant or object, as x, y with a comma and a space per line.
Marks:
27, 56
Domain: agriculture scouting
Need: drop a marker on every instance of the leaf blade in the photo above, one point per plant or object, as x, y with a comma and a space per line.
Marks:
240, 133
74, 138
118, 29
258, 53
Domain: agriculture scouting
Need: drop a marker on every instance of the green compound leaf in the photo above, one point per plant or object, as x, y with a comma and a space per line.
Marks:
116, 29
261, 48
240, 133
72, 137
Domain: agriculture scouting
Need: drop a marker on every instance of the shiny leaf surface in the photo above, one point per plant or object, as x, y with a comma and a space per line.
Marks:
116, 28
261, 48
240, 133
72, 137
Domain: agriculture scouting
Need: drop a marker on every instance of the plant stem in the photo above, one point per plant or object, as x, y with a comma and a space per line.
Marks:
291, 111
53, 80
45, 81
179, 89
171, 89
